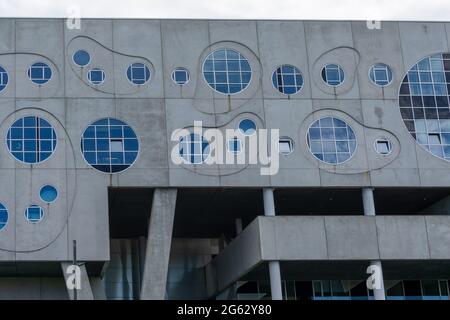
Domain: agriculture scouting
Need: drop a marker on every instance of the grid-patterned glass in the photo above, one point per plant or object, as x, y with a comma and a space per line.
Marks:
3, 78
424, 104
31, 140
109, 145
287, 79
3, 216
138, 73
193, 148
39, 73
96, 76
34, 213
235, 145
227, 71
380, 74
180, 76
331, 140
333, 75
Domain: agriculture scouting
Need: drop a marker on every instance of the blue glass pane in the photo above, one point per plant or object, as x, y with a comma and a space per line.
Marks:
48, 193
247, 127
226, 71
96, 76
34, 136
39, 73
138, 73
107, 143
34, 214
81, 58
4, 78
3, 216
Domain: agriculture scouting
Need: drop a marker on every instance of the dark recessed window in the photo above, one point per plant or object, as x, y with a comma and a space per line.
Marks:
227, 71
4, 78
39, 73
138, 73
180, 76
81, 58
286, 146
109, 145
31, 140
287, 79
333, 75
383, 146
96, 76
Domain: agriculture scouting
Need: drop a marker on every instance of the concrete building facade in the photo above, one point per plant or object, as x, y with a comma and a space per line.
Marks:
88, 116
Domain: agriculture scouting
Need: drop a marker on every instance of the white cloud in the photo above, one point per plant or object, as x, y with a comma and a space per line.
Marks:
239, 9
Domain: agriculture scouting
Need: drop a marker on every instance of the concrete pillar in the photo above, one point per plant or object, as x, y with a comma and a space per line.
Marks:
274, 266
159, 240
98, 290
369, 210
85, 293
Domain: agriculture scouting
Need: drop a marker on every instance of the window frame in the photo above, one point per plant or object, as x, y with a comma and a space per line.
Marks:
29, 73
339, 69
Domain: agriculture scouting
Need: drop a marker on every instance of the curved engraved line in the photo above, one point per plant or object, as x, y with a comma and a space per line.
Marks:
72, 203
38, 55
200, 77
113, 52
364, 126
189, 167
328, 51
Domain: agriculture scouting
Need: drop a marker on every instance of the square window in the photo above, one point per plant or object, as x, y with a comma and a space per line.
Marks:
383, 147
116, 146
285, 146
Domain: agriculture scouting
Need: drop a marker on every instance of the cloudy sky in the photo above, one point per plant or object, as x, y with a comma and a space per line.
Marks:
240, 9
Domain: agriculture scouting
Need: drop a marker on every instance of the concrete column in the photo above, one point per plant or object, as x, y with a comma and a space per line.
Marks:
274, 266
238, 225
159, 240
369, 210
85, 293
98, 290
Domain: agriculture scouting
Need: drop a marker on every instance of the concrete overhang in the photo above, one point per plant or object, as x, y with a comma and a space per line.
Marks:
330, 239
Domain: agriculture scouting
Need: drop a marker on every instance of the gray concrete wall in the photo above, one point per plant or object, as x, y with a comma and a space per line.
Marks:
33, 289
154, 110
331, 238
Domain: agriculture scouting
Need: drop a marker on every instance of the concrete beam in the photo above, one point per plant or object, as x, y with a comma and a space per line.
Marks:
159, 241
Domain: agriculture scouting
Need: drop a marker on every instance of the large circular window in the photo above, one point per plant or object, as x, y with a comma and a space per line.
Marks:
109, 145
424, 104
31, 140
227, 71
194, 149
3, 216
331, 140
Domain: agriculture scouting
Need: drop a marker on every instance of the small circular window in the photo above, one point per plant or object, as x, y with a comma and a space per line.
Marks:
180, 76
331, 140
3, 216
4, 79
333, 75
31, 140
380, 74
39, 73
194, 149
227, 71
110, 145
138, 73
34, 214
48, 194
81, 58
247, 127
287, 79
96, 76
